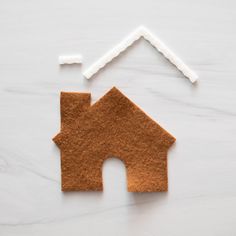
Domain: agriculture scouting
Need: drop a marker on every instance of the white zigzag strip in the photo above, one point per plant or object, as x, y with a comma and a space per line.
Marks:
128, 41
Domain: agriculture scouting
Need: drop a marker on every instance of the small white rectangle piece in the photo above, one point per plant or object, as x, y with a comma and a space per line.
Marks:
70, 59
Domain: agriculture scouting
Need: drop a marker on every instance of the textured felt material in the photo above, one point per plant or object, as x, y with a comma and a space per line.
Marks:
112, 127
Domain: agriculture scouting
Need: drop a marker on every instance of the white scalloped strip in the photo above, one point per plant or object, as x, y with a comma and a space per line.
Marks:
70, 59
128, 41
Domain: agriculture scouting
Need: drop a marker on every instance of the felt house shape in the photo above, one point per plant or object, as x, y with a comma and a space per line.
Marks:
112, 127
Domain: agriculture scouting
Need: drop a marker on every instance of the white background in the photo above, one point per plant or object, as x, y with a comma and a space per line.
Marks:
202, 164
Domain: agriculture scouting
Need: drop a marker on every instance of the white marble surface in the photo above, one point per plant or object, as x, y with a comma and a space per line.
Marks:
202, 164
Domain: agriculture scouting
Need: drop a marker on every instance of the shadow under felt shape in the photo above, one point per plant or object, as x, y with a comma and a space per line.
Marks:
113, 126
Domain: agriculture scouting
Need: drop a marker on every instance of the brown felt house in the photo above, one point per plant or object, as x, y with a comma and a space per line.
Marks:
112, 127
